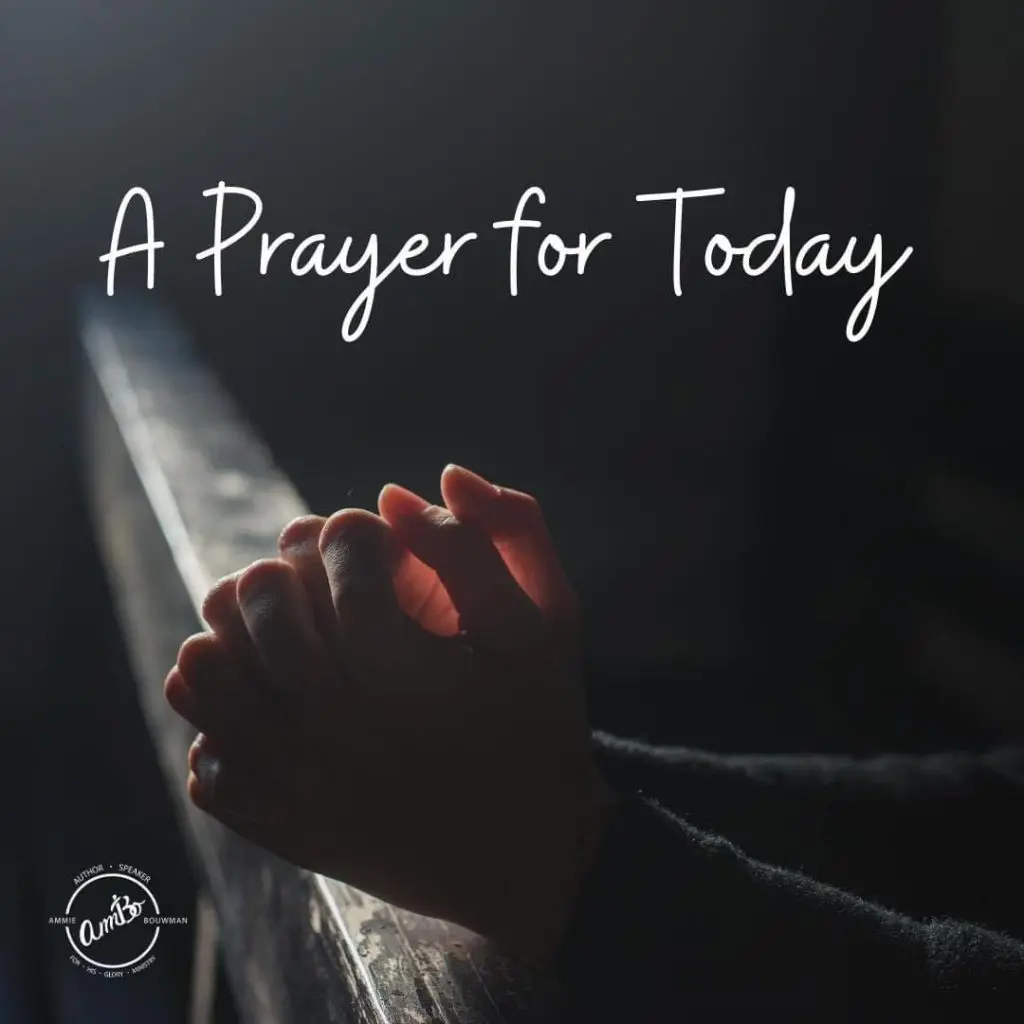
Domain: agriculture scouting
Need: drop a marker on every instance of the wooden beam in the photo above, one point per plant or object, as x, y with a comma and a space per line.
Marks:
182, 492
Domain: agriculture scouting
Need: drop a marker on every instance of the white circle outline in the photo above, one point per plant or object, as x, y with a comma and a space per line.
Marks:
74, 896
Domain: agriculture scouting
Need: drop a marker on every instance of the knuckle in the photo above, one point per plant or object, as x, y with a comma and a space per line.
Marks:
441, 520
300, 532
522, 508
174, 684
266, 574
351, 526
198, 654
220, 595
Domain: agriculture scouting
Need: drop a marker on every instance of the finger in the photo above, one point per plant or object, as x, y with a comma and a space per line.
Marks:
207, 688
299, 547
422, 596
249, 796
489, 601
515, 524
358, 553
179, 695
279, 619
220, 609
234, 789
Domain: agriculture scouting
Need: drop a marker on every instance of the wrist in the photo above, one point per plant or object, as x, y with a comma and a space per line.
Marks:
538, 911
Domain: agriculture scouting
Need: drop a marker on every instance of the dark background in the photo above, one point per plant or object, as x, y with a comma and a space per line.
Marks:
775, 467
783, 540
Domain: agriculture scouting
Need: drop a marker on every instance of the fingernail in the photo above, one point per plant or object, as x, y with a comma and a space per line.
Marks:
198, 744
207, 771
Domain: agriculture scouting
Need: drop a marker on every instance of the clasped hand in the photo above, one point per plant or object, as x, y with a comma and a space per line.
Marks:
396, 702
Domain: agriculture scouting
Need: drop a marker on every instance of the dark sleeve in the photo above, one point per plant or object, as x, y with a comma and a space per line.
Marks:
929, 835
672, 921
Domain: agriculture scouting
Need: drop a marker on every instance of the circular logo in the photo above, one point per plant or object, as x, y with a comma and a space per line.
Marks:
112, 920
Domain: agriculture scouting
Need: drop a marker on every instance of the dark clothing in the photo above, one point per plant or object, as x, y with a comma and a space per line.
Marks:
834, 889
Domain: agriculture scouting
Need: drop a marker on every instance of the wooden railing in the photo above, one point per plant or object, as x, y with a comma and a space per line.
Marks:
183, 492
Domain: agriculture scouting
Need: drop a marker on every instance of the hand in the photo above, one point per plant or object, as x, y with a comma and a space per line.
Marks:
445, 772
513, 522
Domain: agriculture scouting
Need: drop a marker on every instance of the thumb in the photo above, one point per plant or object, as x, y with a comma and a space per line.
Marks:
515, 523
358, 553
489, 601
